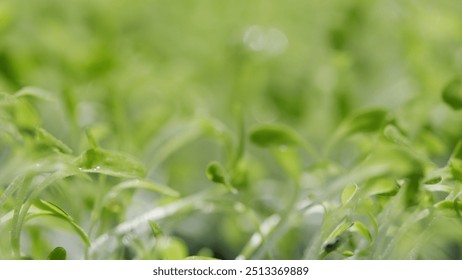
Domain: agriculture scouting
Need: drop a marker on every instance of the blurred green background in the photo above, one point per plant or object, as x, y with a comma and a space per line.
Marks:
167, 81
185, 58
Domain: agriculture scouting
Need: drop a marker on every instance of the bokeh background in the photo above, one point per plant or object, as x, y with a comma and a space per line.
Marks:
165, 81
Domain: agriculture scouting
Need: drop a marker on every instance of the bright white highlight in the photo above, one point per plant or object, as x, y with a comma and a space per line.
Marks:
270, 40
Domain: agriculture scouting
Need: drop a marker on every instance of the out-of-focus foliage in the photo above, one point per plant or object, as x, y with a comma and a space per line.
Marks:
155, 129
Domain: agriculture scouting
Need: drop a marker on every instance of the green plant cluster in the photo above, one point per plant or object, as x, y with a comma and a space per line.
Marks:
156, 129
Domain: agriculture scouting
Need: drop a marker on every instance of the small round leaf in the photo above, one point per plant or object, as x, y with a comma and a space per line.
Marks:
58, 253
216, 173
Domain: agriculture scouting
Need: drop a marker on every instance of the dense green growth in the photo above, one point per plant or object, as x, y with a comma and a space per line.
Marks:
158, 129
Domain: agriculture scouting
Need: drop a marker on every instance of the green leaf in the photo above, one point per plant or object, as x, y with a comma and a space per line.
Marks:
456, 169
57, 212
433, 180
272, 135
25, 200
58, 253
334, 240
348, 253
366, 205
96, 160
455, 205
348, 193
216, 173
374, 222
343, 226
370, 120
363, 230
155, 229
452, 94
382, 186
49, 140
48, 206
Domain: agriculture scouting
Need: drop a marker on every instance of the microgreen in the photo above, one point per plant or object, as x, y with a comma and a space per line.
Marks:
58, 253
139, 138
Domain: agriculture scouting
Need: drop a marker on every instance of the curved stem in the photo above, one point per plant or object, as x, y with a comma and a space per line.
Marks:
276, 225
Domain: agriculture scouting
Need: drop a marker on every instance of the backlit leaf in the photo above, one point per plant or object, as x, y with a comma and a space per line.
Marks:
382, 186
343, 226
348, 193
96, 160
363, 230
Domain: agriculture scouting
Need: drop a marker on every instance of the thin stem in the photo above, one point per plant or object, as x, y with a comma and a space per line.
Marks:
17, 221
